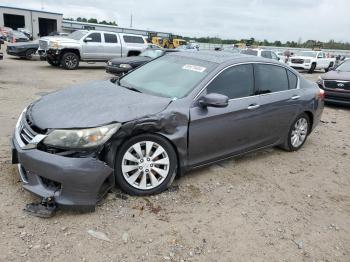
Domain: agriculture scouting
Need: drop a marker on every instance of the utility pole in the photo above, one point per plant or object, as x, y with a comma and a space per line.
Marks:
131, 21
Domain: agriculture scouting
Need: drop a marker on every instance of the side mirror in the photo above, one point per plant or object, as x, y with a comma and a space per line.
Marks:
87, 39
331, 68
213, 100
278, 58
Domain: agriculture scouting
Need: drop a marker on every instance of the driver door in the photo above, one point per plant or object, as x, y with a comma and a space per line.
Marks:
92, 47
215, 133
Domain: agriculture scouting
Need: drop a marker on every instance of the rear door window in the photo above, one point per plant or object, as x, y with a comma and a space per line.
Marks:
270, 78
234, 82
111, 38
96, 37
133, 39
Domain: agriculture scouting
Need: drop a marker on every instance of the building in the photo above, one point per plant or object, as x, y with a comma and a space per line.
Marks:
39, 23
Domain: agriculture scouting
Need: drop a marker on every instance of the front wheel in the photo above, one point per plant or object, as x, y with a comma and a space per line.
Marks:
145, 165
298, 133
312, 69
70, 61
30, 53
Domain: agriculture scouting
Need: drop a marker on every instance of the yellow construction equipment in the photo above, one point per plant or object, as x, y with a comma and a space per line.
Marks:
173, 42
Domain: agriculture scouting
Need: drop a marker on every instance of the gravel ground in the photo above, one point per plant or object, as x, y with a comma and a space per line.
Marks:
267, 206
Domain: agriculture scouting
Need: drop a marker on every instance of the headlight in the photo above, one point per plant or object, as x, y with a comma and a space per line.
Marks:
307, 61
54, 45
109, 63
127, 66
81, 138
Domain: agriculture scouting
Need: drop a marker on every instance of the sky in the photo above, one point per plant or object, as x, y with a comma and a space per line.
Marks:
230, 19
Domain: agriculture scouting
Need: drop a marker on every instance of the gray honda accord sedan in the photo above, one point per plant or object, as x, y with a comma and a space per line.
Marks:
174, 114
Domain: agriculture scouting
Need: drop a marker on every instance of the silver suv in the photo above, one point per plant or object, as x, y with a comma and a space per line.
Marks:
89, 46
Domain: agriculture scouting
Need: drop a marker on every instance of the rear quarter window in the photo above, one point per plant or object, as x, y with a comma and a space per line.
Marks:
133, 39
293, 80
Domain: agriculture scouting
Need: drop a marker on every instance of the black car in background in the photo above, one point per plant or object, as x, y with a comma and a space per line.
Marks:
122, 65
23, 50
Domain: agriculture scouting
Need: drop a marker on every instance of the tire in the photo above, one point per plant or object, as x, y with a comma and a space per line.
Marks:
30, 53
53, 62
303, 133
70, 61
312, 69
145, 176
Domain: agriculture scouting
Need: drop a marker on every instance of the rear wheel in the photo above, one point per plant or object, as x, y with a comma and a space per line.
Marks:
298, 133
70, 61
145, 164
30, 53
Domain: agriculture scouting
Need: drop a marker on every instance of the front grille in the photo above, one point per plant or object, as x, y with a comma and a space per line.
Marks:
27, 131
10, 47
43, 44
333, 84
297, 61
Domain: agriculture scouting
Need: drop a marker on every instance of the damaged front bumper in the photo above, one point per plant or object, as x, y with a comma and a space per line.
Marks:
75, 182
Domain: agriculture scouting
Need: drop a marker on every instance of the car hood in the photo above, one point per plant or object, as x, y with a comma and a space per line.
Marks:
337, 75
130, 60
302, 57
59, 39
95, 104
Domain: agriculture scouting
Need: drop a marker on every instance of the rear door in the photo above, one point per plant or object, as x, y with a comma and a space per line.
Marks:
218, 132
92, 47
112, 45
279, 99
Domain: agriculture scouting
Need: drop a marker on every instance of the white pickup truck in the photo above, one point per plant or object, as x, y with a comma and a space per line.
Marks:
89, 46
311, 60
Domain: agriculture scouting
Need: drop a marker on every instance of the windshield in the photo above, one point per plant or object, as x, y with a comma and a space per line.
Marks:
19, 34
168, 76
77, 35
307, 53
152, 53
344, 67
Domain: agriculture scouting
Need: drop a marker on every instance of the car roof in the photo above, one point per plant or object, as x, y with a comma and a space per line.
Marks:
222, 57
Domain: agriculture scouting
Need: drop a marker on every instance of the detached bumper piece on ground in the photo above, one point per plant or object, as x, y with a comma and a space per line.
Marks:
45, 209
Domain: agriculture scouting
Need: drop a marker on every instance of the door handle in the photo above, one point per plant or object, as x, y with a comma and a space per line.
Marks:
254, 106
295, 97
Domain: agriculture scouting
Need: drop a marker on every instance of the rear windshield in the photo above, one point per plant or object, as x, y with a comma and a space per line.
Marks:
168, 76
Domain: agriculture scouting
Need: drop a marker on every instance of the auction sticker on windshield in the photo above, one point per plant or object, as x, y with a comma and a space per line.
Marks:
195, 68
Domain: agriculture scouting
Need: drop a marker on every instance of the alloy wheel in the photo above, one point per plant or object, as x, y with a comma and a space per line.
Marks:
299, 132
145, 165
71, 61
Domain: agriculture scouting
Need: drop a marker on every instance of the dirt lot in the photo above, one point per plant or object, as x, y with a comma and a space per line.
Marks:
266, 206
